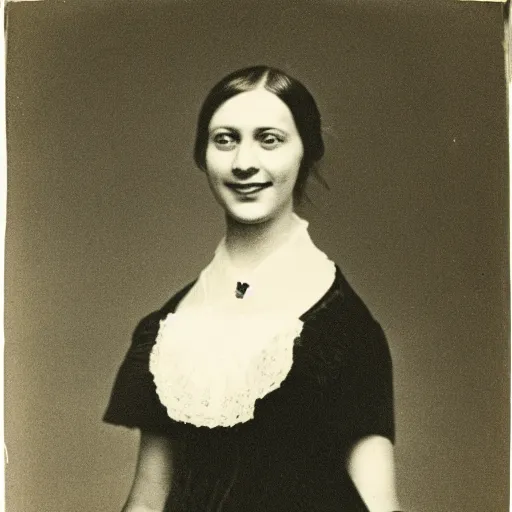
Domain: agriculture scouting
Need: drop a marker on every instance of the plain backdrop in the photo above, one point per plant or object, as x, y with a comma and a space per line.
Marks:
107, 217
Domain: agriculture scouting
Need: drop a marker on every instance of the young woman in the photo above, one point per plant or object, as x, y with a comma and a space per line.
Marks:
266, 384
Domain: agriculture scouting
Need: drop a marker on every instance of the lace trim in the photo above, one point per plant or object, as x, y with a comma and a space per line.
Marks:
209, 369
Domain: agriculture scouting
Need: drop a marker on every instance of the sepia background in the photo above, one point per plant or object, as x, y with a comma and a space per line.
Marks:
107, 217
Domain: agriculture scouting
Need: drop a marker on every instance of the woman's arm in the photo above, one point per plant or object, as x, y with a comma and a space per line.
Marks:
372, 469
153, 475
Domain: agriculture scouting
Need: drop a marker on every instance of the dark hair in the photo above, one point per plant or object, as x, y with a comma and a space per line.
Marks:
294, 94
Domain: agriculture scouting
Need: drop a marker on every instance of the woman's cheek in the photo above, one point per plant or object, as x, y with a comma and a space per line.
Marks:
285, 168
219, 162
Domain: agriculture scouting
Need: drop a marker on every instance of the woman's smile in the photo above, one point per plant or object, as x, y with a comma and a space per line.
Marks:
248, 189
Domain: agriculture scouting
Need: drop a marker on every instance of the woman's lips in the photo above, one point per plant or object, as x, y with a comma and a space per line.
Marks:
246, 189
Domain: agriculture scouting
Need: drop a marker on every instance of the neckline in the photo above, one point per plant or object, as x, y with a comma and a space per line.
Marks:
173, 304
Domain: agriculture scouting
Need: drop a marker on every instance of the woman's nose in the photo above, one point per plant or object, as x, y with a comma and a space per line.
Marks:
244, 173
245, 163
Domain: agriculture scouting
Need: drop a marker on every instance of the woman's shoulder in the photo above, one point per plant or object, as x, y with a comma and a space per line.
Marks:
352, 301
359, 325
341, 301
343, 320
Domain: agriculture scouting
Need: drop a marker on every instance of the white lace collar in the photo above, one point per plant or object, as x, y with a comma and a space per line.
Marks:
217, 354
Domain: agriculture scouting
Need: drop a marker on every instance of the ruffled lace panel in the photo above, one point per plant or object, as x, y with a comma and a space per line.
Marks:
210, 368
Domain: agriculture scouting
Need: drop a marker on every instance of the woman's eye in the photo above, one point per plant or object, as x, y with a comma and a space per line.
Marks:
271, 140
224, 141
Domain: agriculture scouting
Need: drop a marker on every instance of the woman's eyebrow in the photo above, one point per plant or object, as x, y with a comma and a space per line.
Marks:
264, 129
222, 127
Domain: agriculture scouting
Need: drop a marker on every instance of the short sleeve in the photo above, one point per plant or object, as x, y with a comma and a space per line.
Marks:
134, 401
362, 402
368, 395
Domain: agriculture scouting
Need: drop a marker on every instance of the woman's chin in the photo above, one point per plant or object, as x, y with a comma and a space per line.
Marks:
250, 214
249, 219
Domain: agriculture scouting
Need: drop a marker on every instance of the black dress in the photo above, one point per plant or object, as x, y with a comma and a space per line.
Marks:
291, 456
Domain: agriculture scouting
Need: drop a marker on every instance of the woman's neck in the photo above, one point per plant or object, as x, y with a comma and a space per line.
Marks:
249, 244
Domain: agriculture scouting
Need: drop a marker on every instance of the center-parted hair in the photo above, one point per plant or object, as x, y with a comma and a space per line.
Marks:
292, 92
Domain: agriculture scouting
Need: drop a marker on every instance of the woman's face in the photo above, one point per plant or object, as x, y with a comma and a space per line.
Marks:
253, 156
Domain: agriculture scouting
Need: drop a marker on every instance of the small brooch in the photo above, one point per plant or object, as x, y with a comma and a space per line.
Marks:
241, 288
